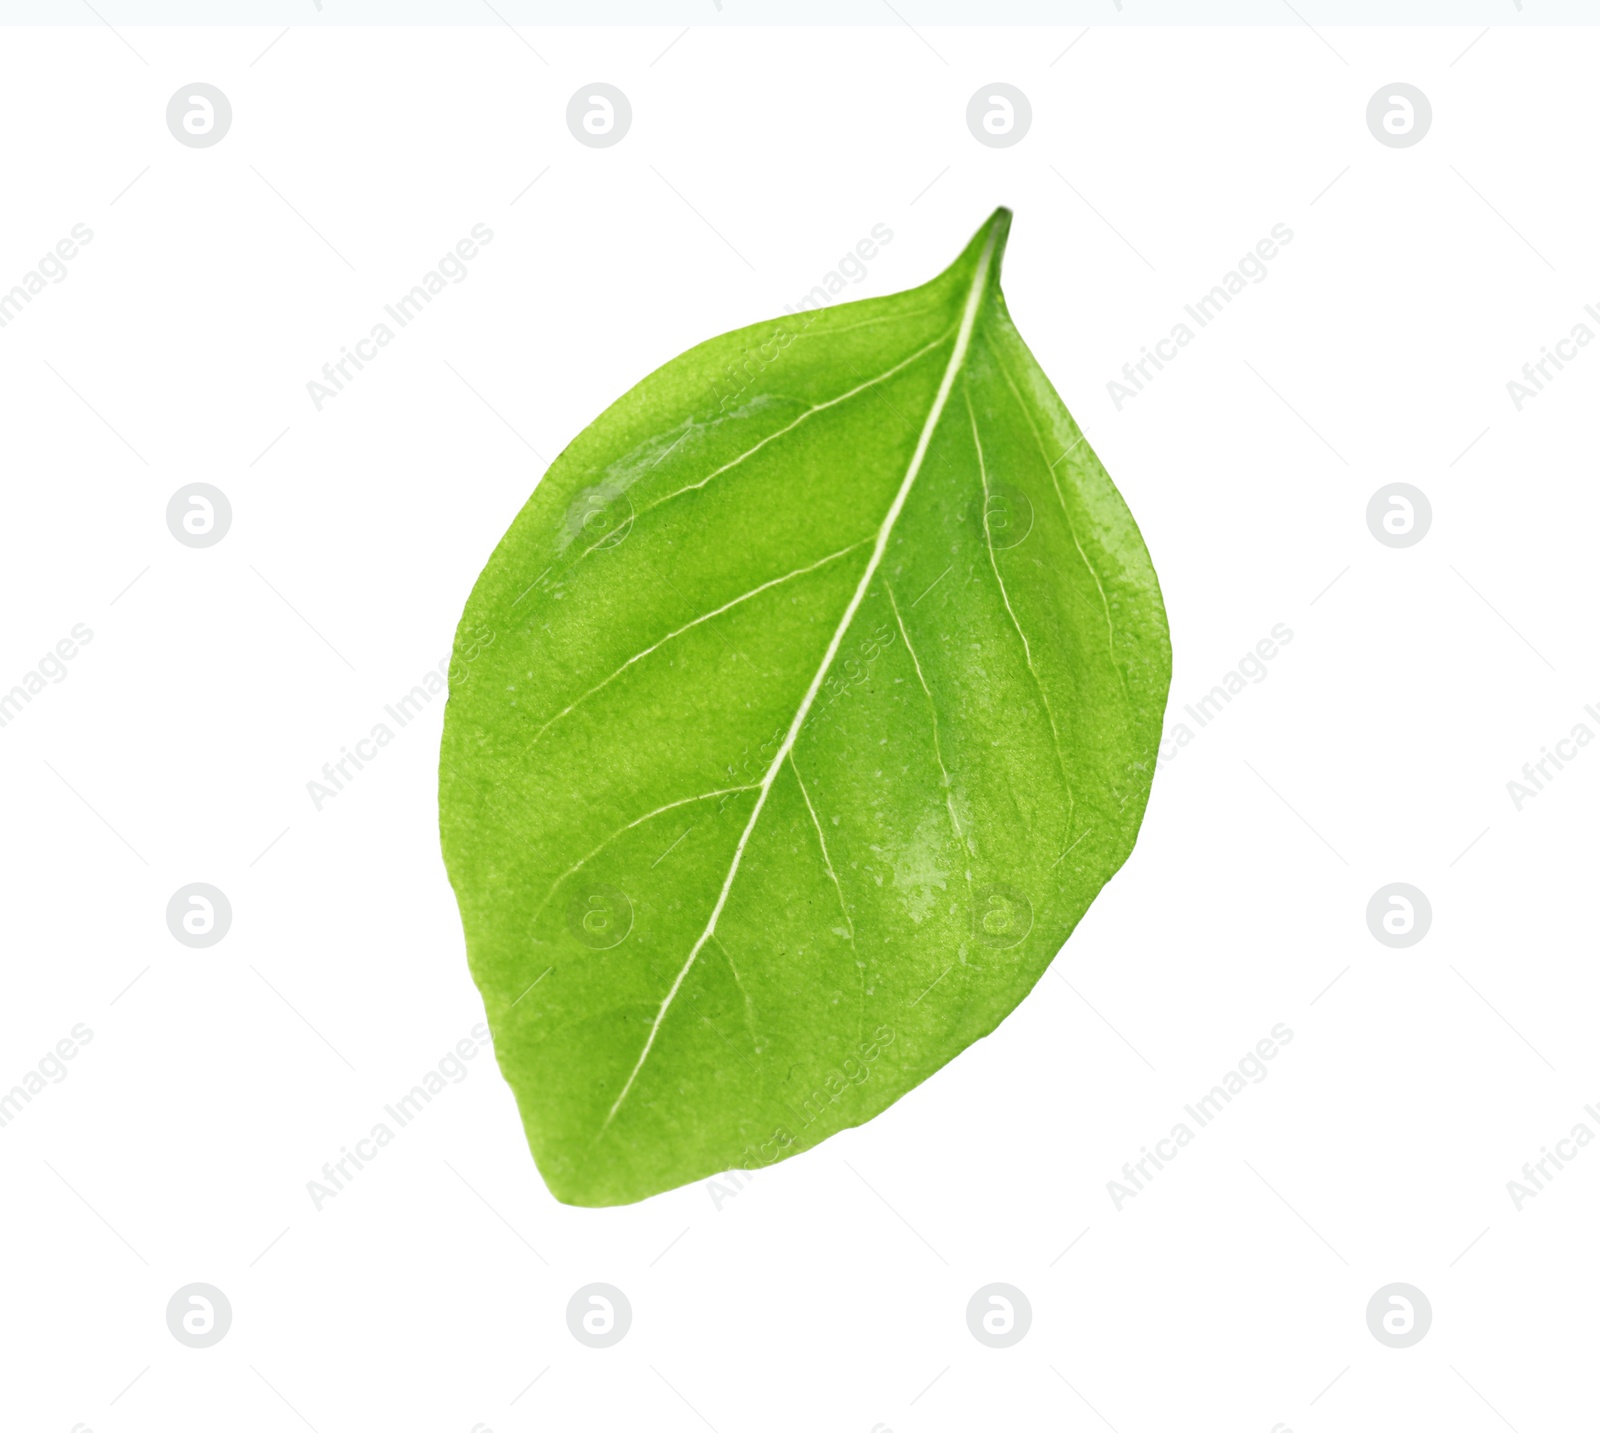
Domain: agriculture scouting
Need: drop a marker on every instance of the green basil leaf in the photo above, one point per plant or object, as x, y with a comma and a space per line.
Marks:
793, 726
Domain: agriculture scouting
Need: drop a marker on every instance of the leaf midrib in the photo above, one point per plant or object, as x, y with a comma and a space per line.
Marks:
969, 318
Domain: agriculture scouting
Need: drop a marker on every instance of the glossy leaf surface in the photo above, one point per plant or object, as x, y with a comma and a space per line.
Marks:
793, 726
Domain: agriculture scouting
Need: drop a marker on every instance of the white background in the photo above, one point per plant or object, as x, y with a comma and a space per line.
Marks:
831, 1292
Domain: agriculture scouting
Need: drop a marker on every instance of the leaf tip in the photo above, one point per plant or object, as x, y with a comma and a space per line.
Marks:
990, 237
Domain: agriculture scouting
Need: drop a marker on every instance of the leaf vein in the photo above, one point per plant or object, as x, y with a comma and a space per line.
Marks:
958, 354
749, 1005
822, 841
623, 830
1111, 631
933, 709
704, 617
844, 910
810, 412
1005, 597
